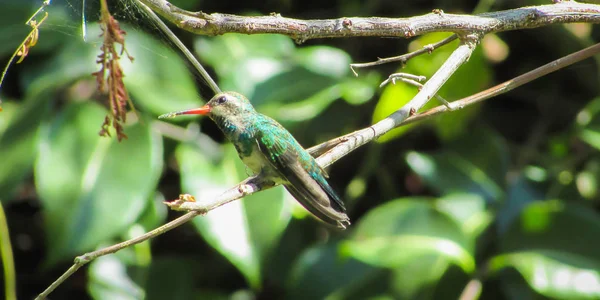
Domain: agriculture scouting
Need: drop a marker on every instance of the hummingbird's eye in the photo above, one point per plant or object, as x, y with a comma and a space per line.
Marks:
221, 100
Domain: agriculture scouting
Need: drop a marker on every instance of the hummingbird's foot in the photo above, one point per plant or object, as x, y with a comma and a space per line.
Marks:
176, 204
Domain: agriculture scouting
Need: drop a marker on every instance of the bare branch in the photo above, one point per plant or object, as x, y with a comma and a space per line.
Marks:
405, 57
302, 30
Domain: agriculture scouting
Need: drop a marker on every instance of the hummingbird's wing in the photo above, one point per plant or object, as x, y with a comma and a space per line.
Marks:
305, 181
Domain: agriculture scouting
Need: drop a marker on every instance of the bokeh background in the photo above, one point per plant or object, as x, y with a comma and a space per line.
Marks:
504, 192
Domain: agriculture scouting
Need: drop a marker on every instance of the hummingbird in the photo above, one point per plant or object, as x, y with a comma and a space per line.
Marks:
271, 151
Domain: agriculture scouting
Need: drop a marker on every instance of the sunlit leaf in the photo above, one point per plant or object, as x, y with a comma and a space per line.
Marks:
406, 229
226, 228
468, 210
243, 231
553, 245
588, 121
416, 277
268, 214
551, 225
324, 60
92, 188
554, 274
108, 279
250, 58
359, 90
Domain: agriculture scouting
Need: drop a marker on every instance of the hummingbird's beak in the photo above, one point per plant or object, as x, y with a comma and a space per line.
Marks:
204, 110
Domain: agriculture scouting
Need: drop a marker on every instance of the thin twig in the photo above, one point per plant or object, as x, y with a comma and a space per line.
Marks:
405, 57
211, 83
302, 30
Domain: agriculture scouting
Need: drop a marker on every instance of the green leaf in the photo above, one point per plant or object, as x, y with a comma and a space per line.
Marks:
172, 278
551, 225
417, 277
303, 109
251, 59
291, 86
468, 210
108, 279
155, 213
475, 163
92, 188
521, 192
406, 229
588, 123
357, 91
554, 245
243, 231
239, 47
324, 60
329, 276
268, 214
556, 275
9, 110
18, 141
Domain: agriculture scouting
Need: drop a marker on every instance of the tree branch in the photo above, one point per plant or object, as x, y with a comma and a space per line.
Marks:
405, 57
302, 30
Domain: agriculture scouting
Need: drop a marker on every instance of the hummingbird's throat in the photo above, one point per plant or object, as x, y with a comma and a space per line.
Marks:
204, 110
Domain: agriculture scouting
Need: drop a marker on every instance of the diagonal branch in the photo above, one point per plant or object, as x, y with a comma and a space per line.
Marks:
302, 30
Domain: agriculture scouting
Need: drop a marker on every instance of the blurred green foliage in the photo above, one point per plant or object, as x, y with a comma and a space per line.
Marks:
504, 192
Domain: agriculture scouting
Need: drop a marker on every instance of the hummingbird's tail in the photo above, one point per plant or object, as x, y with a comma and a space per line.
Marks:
322, 203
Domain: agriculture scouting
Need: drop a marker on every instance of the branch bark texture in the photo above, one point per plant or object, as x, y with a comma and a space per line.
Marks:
437, 21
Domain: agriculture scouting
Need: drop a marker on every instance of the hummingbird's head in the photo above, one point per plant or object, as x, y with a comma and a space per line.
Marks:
226, 104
